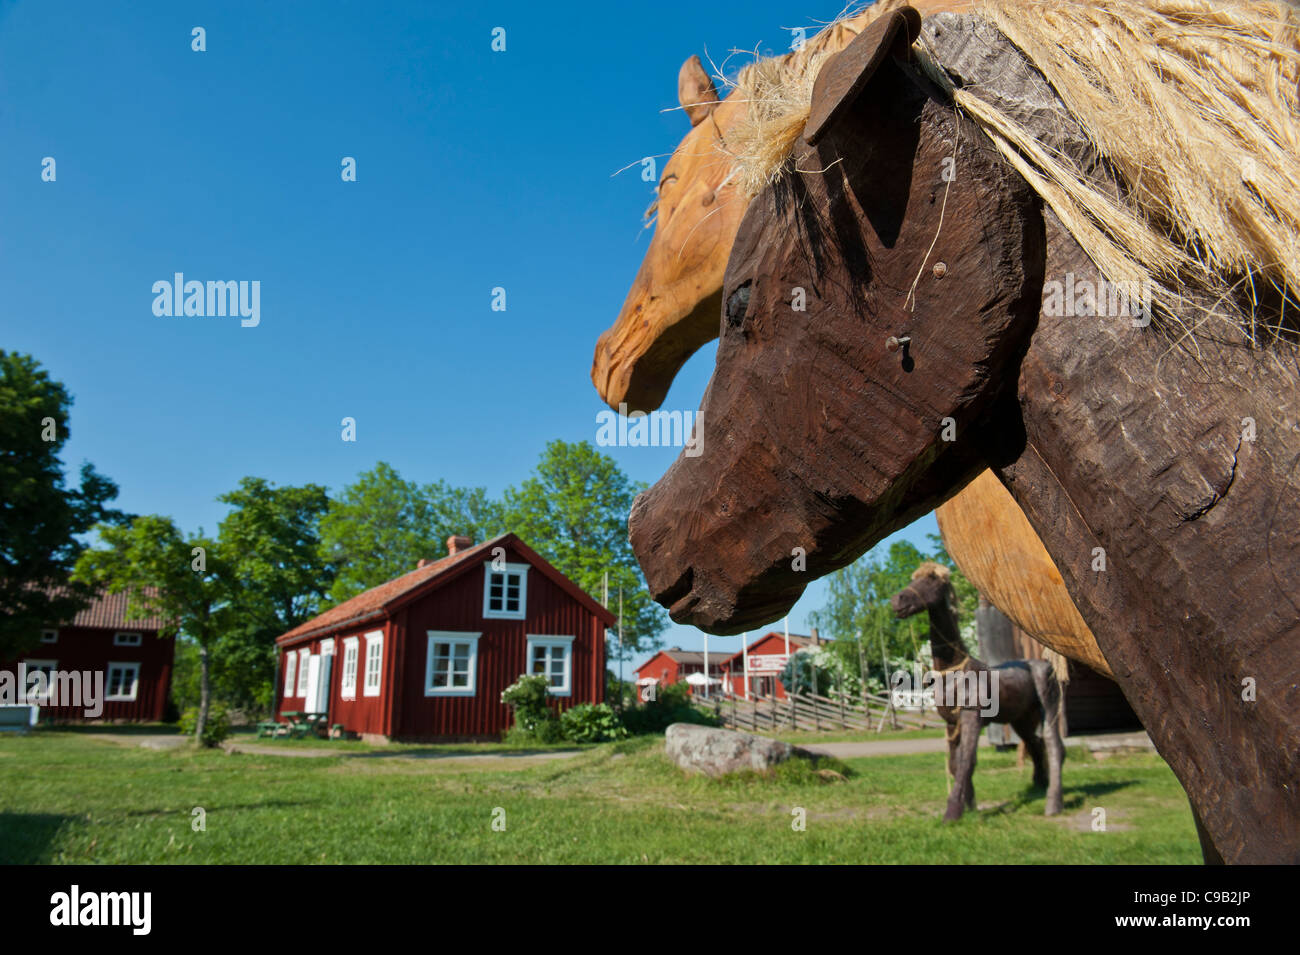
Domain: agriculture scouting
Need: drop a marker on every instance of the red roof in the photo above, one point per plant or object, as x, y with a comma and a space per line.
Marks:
382, 600
109, 611
798, 641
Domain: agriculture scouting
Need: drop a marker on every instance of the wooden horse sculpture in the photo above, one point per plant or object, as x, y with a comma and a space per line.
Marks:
923, 353
672, 309
1023, 693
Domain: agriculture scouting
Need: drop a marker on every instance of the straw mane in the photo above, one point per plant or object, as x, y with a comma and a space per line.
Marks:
1192, 104
931, 569
778, 94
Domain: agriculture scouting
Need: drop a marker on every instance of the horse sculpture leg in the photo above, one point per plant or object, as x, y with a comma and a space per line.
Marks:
1027, 729
1049, 692
962, 755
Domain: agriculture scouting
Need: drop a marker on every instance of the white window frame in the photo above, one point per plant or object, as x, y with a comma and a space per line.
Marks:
374, 638
507, 569
304, 671
49, 636
327, 647
452, 636
351, 656
33, 665
118, 640
552, 640
134, 667
290, 673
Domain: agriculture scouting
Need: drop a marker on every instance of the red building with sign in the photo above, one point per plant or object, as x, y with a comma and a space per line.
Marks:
766, 658
426, 656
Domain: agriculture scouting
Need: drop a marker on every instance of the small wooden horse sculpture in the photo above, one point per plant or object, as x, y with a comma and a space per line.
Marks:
1025, 692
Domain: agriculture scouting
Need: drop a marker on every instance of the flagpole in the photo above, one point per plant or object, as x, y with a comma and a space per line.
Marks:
744, 650
706, 664
620, 646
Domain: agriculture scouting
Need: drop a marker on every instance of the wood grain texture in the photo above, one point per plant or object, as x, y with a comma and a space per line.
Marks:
1137, 449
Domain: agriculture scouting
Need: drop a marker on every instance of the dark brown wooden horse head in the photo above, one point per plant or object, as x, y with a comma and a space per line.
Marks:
929, 587
877, 301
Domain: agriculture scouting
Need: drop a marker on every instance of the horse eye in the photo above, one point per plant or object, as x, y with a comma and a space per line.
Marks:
738, 304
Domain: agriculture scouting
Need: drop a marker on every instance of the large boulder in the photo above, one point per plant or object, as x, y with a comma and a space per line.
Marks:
716, 752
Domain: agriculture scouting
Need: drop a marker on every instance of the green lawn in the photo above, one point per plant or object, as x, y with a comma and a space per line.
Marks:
77, 797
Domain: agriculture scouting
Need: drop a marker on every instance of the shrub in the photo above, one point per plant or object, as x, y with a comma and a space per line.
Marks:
671, 704
217, 727
530, 698
591, 723
549, 730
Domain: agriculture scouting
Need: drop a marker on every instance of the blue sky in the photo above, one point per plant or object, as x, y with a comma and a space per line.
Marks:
475, 169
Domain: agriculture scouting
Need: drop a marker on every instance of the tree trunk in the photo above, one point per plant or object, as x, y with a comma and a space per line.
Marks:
205, 693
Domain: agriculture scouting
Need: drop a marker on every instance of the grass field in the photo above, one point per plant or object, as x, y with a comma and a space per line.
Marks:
68, 796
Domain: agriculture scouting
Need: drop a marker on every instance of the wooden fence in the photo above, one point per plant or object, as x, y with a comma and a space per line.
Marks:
810, 712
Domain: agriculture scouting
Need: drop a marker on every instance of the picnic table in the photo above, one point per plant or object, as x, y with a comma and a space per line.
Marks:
299, 724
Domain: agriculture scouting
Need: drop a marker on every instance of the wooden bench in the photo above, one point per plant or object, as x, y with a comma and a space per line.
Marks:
18, 718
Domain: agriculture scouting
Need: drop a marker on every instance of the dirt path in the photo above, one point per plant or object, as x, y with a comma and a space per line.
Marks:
525, 757
1104, 742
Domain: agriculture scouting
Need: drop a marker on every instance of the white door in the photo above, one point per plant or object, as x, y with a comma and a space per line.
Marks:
318, 682
313, 684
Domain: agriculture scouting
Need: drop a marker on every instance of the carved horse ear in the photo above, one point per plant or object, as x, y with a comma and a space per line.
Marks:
695, 91
846, 74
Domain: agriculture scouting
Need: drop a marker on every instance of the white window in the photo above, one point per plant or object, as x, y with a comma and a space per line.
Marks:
349, 687
126, 639
505, 591
49, 636
304, 670
290, 671
44, 666
452, 667
374, 662
327, 647
123, 681
554, 657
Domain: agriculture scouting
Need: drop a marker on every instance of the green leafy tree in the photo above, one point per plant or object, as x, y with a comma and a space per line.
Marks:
381, 525
40, 517
859, 617
271, 539
184, 580
573, 511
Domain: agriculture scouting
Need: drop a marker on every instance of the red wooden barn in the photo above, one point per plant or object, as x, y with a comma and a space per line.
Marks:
135, 662
426, 656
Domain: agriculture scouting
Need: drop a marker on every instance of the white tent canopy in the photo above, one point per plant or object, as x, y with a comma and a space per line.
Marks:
699, 679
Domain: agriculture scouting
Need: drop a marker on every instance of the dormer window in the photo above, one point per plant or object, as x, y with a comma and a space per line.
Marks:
505, 591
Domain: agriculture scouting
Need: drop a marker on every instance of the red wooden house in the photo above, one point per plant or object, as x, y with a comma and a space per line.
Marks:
675, 664
426, 656
135, 663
